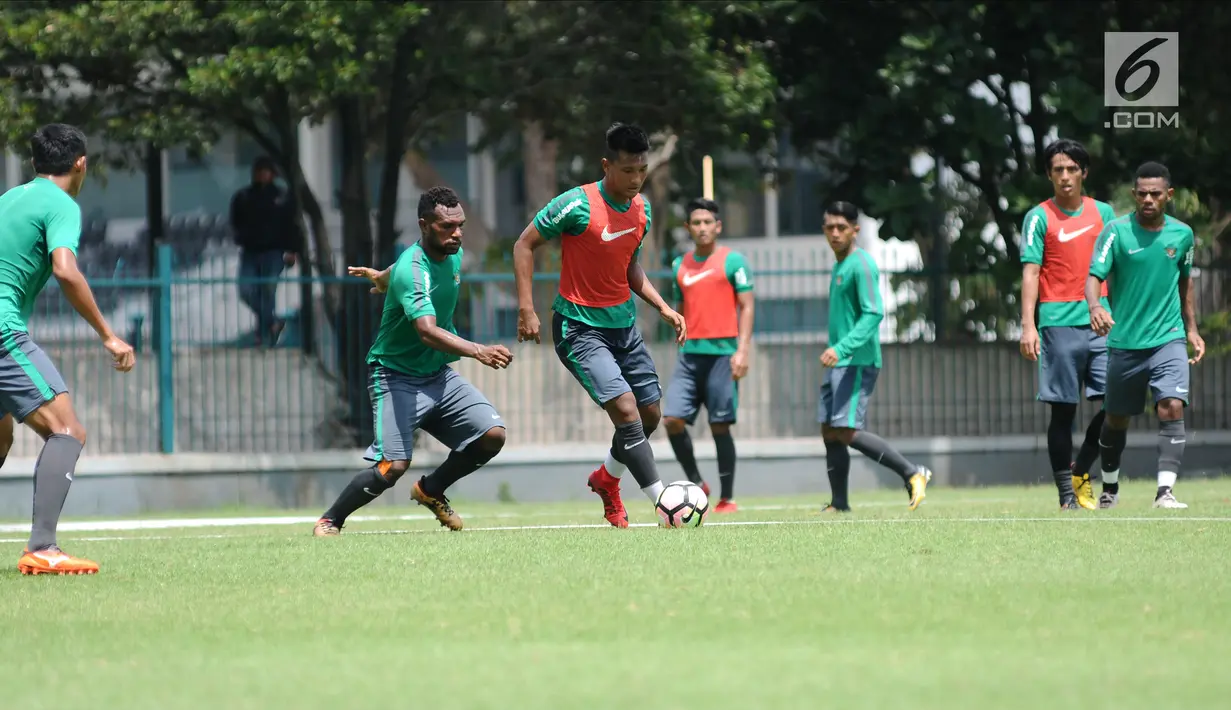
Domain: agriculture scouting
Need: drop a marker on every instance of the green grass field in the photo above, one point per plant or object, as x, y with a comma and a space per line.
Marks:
985, 598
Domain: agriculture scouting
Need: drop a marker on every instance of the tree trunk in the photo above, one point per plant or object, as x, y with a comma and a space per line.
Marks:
540, 163
659, 184
357, 320
396, 121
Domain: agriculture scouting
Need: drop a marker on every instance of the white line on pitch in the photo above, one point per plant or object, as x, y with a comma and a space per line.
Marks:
188, 523
722, 523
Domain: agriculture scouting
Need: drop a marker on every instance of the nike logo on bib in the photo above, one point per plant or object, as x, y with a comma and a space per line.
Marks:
690, 279
1070, 236
609, 236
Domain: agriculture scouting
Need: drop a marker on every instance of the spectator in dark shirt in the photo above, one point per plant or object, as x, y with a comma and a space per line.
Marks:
264, 227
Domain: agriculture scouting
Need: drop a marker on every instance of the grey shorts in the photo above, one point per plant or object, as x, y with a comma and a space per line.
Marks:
845, 392
444, 405
1162, 370
1069, 357
28, 380
606, 361
698, 380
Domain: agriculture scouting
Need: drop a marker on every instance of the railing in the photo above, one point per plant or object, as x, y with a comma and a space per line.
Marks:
202, 385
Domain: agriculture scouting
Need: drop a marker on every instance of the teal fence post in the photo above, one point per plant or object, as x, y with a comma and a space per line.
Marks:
166, 358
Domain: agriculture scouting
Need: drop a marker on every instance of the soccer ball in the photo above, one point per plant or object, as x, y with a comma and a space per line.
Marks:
682, 505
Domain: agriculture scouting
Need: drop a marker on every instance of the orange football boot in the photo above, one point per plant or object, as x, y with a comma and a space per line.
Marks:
52, 560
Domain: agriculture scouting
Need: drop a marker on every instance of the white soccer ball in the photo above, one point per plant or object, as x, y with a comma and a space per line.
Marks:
682, 505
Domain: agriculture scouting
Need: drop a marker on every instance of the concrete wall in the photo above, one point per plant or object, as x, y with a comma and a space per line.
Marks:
243, 400
130, 485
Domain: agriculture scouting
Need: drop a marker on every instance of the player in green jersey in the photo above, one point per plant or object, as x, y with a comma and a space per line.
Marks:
412, 385
1058, 238
1146, 257
40, 228
852, 364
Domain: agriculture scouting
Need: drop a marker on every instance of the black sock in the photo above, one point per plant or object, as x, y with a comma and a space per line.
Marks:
681, 444
1171, 439
1060, 437
838, 466
362, 489
1111, 445
2, 460
1088, 453
724, 444
1064, 484
879, 450
53, 476
636, 453
457, 466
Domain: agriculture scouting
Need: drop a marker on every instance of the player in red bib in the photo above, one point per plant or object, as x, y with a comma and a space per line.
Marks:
1058, 239
600, 227
714, 285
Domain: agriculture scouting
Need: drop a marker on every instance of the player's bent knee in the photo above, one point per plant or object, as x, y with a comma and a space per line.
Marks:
1170, 409
720, 428
674, 425
391, 471
651, 415
842, 435
493, 440
1116, 421
623, 409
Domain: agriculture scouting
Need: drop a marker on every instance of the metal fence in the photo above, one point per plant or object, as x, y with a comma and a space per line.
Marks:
201, 385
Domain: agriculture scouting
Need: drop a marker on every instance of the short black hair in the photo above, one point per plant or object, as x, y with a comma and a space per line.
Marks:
264, 162
846, 210
1074, 150
55, 148
626, 138
1153, 169
439, 195
701, 203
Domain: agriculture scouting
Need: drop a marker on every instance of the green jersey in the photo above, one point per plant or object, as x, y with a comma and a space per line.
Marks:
1143, 269
35, 219
418, 287
568, 217
855, 310
1060, 241
707, 303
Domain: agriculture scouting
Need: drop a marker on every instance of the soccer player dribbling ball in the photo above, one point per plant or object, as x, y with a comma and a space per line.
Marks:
40, 229
715, 286
600, 227
412, 385
1147, 258
852, 364
1058, 238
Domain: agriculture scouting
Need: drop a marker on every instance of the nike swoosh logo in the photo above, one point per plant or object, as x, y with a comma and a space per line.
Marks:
690, 279
629, 446
1070, 236
1178, 441
1181, 390
365, 490
1134, 251
609, 236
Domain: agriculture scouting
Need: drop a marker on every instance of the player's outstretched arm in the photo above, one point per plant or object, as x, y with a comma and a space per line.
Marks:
523, 272
640, 285
494, 356
77, 290
379, 279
